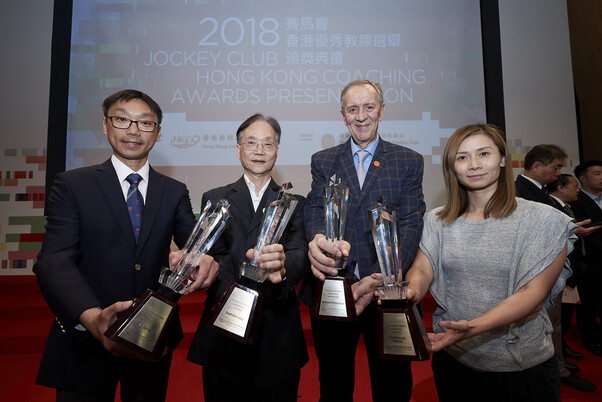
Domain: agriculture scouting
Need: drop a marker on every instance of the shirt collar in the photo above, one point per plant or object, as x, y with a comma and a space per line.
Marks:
590, 195
562, 203
252, 188
538, 184
371, 148
124, 170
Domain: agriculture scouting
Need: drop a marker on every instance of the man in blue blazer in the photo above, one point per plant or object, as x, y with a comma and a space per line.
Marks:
394, 172
94, 260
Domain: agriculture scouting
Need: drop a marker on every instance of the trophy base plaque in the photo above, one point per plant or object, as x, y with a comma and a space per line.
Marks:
145, 326
333, 300
236, 313
402, 335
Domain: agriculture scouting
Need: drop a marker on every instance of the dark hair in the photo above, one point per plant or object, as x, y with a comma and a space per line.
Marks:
544, 154
127, 95
503, 202
562, 181
356, 83
259, 117
581, 169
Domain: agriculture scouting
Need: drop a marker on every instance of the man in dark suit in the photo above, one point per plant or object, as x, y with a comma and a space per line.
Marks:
566, 190
542, 166
96, 258
589, 206
269, 370
394, 172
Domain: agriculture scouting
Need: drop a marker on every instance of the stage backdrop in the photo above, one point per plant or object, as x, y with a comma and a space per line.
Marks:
212, 64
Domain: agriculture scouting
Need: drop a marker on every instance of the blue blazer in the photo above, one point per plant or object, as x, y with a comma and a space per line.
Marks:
396, 173
89, 258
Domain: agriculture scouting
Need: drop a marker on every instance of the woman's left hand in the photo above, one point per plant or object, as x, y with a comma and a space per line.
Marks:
456, 332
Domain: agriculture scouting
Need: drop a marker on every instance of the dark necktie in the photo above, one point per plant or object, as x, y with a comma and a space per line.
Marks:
550, 201
569, 211
361, 169
135, 203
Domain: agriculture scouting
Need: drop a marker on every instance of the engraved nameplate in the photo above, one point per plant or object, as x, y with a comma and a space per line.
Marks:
234, 316
145, 327
397, 339
333, 299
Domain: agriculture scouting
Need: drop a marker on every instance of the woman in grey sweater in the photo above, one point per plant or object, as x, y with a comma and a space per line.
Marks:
492, 262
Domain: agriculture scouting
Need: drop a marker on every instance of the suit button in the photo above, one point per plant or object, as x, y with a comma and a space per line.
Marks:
137, 267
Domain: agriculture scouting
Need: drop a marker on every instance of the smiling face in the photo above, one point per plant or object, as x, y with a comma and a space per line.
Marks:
477, 164
257, 163
361, 113
130, 145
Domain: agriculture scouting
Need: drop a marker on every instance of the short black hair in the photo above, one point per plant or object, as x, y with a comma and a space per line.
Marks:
561, 181
545, 154
259, 117
581, 169
127, 95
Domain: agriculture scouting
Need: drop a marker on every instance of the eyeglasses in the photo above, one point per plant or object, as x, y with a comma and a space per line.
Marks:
122, 122
252, 145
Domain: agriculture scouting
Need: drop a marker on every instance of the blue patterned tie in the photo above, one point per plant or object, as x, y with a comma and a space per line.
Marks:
135, 203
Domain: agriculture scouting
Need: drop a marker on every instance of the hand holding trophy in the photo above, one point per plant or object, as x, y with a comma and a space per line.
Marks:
401, 331
145, 326
333, 298
236, 312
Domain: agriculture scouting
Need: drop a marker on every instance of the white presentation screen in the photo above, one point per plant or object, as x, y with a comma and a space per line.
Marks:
211, 64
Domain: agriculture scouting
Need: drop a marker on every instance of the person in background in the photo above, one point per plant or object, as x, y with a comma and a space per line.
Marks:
542, 166
491, 261
99, 253
589, 206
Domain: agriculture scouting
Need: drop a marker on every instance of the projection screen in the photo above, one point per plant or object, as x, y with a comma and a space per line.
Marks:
212, 64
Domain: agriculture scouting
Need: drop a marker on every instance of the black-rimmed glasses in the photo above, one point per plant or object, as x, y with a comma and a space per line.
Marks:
123, 122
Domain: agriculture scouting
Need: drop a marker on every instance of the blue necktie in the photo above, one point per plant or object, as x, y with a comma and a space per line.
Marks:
361, 169
135, 203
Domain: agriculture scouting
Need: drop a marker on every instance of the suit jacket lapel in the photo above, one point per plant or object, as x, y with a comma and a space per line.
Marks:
270, 194
152, 204
241, 199
108, 182
349, 173
378, 159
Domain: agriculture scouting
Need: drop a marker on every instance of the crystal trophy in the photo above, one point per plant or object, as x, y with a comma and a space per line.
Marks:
145, 326
236, 312
333, 299
402, 334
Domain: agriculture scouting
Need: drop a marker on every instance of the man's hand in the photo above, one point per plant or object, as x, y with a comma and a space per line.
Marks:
203, 275
322, 264
272, 259
583, 231
97, 321
363, 291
